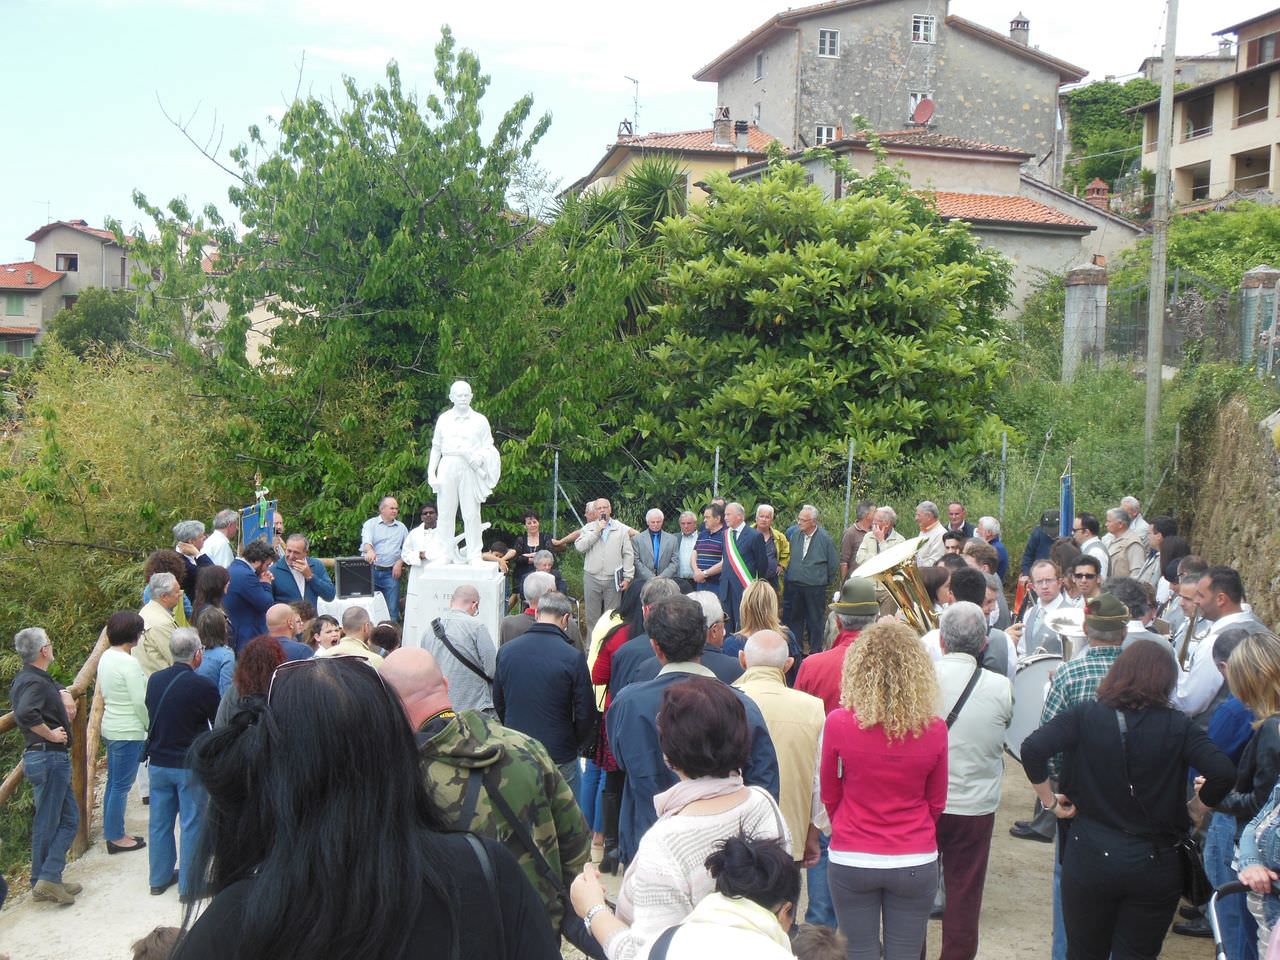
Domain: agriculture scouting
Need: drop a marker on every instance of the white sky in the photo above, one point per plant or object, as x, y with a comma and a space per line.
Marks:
83, 126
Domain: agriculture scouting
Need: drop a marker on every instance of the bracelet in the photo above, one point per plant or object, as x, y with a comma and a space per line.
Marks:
591, 914
1055, 803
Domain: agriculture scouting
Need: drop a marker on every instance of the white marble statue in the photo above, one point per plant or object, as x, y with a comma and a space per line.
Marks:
463, 470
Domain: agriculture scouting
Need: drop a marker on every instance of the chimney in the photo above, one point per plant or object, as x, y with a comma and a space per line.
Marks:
1224, 49
1097, 194
740, 135
722, 128
31, 277
625, 129
1020, 29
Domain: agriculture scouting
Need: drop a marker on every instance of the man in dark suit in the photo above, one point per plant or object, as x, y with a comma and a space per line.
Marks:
638, 650
726, 668
755, 560
248, 595
655, 549
678, 630
298, 576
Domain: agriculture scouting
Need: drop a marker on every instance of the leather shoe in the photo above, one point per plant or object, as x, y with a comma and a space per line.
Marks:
52, 892
156, 891
138, 844
1023, 830
1194, 928
1187, 912
610, 861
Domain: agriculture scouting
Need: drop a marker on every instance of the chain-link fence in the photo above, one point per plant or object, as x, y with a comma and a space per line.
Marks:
1203, 322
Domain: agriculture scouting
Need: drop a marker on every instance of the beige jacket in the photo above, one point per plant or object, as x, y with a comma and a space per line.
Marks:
1127, 554
603, 556
152, 650
795, 722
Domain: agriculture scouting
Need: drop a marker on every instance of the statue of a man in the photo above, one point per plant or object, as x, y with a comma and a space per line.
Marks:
463, 470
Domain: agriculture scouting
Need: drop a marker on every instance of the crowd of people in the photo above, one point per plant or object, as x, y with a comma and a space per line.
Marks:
727, 709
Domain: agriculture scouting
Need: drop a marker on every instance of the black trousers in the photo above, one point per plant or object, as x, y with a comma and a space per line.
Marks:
806, 608
1118, 893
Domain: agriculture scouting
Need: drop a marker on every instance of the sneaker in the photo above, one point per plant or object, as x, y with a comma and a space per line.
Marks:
52, 892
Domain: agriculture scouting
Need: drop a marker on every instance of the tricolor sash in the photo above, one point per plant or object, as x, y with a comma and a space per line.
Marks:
733, 558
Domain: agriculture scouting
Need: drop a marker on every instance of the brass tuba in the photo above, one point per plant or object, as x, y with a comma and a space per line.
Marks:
895, 569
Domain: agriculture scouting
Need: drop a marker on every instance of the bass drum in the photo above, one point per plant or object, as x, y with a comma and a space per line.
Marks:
1030, 687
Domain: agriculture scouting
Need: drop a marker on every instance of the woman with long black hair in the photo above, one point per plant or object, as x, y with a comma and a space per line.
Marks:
321, 839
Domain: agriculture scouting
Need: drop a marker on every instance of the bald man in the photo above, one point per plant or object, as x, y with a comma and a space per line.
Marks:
522, 799
795, 722
283, 623
465, 651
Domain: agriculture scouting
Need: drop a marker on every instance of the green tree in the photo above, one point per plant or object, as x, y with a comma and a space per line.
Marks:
794, 323
99, 319
378, 240
1106, 139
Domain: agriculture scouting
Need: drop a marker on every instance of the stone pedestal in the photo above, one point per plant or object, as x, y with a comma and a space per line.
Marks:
1084, 322
430, 590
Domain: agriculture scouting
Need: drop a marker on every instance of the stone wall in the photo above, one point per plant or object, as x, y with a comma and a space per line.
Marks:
1235, 511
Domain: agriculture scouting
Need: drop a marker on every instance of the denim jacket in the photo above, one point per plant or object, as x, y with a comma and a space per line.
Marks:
1260, 841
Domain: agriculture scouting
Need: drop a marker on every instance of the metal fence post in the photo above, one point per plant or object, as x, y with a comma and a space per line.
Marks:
848, 485
1004, 469
715, 477
555, 500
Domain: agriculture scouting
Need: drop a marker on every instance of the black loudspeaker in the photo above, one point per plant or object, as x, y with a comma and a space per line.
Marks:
352, 577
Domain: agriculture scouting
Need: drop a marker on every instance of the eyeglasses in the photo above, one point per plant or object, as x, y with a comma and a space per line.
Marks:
291, 664
1077, 529
1044, 583
1085, 576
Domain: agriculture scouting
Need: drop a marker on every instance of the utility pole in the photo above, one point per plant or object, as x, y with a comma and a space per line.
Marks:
1159, 240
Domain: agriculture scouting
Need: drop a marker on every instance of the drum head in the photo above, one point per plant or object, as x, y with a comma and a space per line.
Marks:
1030, 686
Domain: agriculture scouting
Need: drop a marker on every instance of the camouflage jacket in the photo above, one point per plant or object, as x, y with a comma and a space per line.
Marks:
531, 784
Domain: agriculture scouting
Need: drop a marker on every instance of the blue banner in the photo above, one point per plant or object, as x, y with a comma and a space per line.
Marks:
1066, 503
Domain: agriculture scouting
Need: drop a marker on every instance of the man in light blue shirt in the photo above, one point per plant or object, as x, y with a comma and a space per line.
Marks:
381, 538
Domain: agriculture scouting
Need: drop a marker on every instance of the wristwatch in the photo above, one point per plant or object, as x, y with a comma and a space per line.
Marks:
591, 914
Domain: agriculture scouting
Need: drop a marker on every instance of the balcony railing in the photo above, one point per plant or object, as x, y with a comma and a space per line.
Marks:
1257, 115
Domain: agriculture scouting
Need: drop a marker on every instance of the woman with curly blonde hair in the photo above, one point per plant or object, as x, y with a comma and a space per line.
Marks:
884, 784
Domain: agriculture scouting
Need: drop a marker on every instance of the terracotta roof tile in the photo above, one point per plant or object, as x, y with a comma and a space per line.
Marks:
757, 141
18, 331
1000, 208
78, 225
13, 276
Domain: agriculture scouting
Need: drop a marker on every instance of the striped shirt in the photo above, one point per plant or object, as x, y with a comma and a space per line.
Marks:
708, 551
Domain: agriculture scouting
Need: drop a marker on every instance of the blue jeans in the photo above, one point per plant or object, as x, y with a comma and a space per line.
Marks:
1059, 924
53, 826
820, 908
175, 796
592, 791
1239, 929
389, 587
123, 757
572, 773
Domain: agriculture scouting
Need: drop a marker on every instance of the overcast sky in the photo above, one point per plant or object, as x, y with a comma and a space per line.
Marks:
83, 126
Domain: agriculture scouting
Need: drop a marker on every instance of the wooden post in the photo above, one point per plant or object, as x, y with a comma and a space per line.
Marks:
11, 782
80, 777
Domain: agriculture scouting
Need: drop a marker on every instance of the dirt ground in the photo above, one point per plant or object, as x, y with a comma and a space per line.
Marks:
116, 908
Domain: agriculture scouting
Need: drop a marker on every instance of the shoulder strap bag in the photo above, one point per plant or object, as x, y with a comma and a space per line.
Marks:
571, 926
490, 881
146, 749
964, 695
466, 661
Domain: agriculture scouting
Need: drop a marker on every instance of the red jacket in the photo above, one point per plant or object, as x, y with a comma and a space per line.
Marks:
820, 672
883, 797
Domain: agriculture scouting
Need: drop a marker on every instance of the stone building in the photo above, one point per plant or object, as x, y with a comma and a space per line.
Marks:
804, 73
1041, 230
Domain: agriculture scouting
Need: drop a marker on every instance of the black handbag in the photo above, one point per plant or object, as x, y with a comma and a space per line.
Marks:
1196, 888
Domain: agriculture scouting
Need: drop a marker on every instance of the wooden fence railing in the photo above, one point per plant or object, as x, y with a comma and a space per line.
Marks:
84, 745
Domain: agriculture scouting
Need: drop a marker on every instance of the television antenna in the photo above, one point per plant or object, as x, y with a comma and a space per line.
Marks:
635, 103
